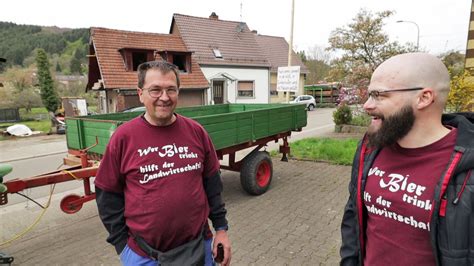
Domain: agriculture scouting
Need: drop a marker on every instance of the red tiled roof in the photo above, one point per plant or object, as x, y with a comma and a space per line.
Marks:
276, 50
234, 40
113, 72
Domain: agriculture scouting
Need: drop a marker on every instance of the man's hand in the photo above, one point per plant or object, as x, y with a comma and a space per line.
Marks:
221, 237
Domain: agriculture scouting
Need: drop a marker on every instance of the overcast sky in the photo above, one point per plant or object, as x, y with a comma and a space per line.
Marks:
443, 24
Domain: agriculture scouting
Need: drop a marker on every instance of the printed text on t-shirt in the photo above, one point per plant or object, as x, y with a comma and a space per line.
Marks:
154, 171
411, 193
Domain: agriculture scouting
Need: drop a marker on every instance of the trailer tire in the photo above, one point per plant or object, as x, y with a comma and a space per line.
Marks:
256, 172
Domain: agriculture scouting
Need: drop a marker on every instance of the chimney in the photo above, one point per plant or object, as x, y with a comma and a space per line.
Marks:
214, 16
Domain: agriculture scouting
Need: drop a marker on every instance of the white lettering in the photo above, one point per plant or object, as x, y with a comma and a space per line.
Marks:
376, 171
147, 150
148, 168
399, 218
168, 151
399, 182
367, 196
171, 171
413, 200
383, 202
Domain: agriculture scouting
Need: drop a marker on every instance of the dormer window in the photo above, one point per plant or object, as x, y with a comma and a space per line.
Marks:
138, 58
217, 53
180, 59
134, 57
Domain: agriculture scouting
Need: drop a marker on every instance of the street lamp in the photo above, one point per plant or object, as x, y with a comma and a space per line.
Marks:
418, 31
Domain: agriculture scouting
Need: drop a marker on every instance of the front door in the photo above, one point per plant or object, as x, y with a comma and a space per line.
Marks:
218, 91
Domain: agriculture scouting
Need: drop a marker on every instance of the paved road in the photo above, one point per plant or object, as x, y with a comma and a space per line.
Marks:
295, 223
38, 155
32, 147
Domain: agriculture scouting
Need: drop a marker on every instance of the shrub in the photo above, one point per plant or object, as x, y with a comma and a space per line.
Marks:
326, 105
361, 119
342, 115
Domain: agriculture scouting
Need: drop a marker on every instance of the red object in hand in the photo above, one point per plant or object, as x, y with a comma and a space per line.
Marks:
220, 253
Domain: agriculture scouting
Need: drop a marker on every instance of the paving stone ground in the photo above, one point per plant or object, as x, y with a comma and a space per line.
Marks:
295, 223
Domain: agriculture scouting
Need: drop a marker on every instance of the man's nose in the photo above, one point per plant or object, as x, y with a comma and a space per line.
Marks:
369, 104
164, 96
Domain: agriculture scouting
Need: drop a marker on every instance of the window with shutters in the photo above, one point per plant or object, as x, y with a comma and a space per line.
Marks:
245, 89
134, 57
180, 59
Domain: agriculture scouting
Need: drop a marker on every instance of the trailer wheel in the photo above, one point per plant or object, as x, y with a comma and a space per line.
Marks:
68, 204
256, 173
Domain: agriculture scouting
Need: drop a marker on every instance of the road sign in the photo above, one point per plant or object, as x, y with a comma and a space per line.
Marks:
288, 78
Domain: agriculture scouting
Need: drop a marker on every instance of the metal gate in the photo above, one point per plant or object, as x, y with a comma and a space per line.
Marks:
9, 115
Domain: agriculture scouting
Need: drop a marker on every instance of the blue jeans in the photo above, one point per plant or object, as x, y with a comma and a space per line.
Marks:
129, 258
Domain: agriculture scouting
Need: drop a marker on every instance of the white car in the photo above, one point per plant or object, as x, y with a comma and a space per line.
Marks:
307, 99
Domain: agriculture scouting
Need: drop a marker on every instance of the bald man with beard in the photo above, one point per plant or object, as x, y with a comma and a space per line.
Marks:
411, 192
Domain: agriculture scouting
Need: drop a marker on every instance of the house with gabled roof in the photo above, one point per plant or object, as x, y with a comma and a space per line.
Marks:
114, 56
275, 50
229, 57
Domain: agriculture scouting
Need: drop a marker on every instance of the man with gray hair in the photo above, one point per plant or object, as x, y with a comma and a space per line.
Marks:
412, 187
159, 182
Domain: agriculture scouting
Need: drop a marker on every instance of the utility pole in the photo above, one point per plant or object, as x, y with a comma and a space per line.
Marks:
290, 46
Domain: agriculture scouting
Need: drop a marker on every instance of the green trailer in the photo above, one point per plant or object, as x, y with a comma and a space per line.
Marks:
232, 127
227, 124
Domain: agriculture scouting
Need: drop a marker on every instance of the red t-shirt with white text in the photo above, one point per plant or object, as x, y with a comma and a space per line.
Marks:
160, 170
398, 198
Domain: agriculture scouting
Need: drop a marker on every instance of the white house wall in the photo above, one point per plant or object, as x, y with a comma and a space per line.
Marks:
260, 76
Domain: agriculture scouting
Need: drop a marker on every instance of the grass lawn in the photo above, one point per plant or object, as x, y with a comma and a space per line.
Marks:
37, 113
42, 125
337, 151
36, 120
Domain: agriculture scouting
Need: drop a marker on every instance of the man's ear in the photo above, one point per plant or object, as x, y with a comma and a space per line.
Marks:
426, 98
140, 93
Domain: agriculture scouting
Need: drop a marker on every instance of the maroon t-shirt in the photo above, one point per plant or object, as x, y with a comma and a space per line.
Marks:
398, 198
160, 170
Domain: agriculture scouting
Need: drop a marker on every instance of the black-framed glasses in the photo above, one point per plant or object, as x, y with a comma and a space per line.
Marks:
374, 94
156, 92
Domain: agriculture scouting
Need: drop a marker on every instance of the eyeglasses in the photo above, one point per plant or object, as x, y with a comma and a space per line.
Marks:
156, 92
374, 94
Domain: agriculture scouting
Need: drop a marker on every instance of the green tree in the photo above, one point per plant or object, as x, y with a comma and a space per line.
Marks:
49, 96
454, 61
316, 60
18, 41
302, 56
58, 67
75, 65
19, 78
22, 93
27, 99
461, 94
364, 46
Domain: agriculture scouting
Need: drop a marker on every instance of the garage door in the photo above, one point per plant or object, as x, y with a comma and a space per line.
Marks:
190, 97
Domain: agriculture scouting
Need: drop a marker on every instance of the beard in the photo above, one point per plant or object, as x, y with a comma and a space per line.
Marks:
392, 129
